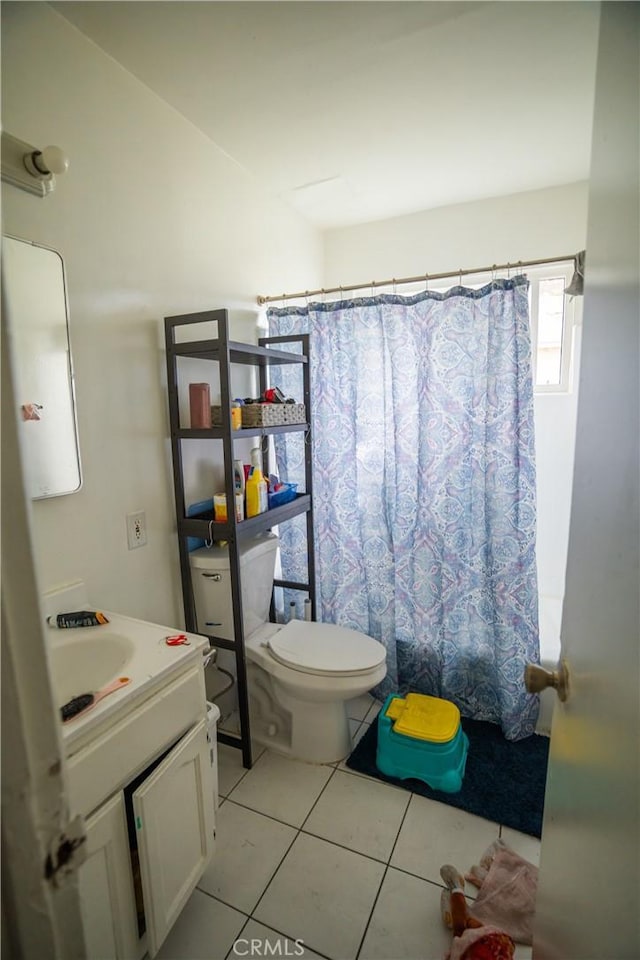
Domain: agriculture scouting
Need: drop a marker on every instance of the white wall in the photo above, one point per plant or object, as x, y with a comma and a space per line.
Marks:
526, 226
152, 219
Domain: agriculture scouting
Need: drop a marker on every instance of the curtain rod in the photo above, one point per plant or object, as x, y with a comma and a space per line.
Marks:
426, 277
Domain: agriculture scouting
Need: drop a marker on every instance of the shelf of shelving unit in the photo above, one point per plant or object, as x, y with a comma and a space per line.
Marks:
200, 526
263, 356
238, 352
217, 433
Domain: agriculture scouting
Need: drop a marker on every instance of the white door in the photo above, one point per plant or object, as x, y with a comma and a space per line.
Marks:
40, 917
107, 900
587, 903
175, 823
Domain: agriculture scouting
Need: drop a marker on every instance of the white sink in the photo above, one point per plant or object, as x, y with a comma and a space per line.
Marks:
85, 664
85, 659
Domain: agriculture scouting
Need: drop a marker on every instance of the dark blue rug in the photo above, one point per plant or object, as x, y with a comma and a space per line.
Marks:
503, 781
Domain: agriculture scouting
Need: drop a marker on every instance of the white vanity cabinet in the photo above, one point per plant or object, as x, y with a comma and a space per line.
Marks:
145, 787
107, 897
174, 816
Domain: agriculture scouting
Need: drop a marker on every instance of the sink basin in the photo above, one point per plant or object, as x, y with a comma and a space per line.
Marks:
81, 664
89, 658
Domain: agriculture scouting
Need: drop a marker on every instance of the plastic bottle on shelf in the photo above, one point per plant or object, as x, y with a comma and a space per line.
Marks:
256, 458
239, 484
238, 476
256, 492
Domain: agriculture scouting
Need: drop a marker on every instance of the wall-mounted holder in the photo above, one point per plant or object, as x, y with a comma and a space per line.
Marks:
30, 169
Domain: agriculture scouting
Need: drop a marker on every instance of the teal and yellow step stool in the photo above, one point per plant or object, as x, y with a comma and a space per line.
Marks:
421, 737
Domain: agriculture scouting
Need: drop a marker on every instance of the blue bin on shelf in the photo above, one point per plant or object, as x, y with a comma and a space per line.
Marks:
440, 764
285, 494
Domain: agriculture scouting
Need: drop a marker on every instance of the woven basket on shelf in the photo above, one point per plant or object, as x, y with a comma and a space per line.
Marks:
295, 413
272, 414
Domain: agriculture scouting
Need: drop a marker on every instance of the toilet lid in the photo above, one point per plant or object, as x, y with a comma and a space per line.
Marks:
325, 649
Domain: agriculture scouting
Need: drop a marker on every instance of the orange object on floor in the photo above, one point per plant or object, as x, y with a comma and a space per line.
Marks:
482, 943
472, 940
492, 946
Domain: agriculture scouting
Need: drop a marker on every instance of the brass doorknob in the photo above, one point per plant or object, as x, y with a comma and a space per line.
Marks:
536, 678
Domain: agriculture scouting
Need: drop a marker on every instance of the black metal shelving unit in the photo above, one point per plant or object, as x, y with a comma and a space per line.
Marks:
263, 356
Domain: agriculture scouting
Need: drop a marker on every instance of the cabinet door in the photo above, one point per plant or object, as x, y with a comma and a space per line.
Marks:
175, 823
107, 902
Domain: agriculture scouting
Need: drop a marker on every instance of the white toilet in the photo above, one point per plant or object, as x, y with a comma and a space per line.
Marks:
300, 675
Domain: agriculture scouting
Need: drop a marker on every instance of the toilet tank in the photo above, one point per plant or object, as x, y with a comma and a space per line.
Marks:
212, 585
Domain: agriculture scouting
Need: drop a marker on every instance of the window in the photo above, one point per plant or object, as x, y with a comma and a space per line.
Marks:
553, 315
550, 331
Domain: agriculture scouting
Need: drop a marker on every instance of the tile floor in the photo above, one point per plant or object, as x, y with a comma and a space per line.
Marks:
345, 864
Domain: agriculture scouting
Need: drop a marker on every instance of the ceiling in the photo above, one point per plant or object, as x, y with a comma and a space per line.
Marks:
357, 111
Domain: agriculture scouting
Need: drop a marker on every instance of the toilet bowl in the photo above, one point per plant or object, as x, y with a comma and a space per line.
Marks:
300, 675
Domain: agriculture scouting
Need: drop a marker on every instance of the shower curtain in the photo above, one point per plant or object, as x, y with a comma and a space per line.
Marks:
424, 488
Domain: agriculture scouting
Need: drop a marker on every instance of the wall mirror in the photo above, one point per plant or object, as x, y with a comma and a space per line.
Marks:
36, 303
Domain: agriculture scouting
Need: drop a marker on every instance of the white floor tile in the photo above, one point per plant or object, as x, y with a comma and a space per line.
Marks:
305, 889
362, 815
205, 930
282, 788
524, 844
322, 894
230, 769
249, 848
358, 708
434, 833
406, 923
264, 942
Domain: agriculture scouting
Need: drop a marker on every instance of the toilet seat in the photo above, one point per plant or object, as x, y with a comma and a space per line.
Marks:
325, 650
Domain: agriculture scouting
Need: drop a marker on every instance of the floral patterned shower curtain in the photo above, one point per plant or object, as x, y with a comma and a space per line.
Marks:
424, 488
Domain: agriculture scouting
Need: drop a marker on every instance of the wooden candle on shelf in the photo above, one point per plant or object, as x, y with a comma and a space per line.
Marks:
199, 405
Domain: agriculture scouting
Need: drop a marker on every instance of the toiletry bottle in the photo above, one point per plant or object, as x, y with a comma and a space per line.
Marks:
236, 416
256, 458
263, 493
256, 492
220, 507
239, 484
238, 476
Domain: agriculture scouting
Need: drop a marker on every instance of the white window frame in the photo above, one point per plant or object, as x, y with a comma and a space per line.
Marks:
572, 316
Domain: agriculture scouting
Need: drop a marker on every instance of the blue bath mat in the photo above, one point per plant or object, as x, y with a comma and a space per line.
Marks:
503, 781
